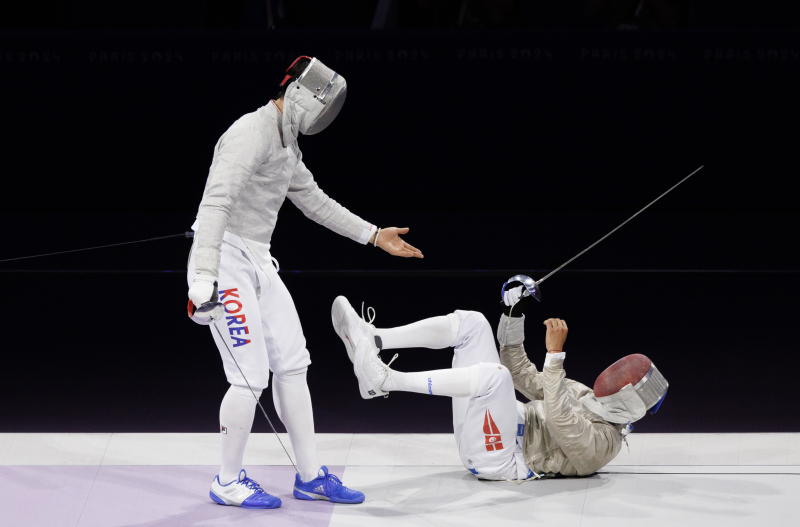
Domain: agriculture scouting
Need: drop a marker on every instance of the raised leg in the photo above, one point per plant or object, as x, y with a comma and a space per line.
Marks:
468, 332
434, 333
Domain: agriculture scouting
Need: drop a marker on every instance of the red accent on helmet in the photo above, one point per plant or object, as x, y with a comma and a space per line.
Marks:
287, 77
190, 308
627, 370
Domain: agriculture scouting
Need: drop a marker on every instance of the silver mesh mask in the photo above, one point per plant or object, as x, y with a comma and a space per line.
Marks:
652, 388
312, 101
631, 403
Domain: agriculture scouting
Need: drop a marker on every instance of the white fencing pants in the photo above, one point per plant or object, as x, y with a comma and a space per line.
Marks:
261, 326
262, 330
486, 426
486, 423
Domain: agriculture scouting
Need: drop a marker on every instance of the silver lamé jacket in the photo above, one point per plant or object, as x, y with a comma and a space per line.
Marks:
250, 176
561, 435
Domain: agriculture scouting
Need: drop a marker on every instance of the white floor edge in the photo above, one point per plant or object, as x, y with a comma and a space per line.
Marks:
417, 479
755, 449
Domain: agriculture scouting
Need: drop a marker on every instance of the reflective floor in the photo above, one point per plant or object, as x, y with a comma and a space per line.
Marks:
409, 479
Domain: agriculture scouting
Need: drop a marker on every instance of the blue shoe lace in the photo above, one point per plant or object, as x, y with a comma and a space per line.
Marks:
332, 483
250, 484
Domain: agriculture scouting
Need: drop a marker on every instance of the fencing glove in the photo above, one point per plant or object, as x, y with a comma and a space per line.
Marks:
202, 289
514, 303
204, 306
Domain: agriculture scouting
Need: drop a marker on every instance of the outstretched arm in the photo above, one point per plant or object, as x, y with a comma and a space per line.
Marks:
318, 206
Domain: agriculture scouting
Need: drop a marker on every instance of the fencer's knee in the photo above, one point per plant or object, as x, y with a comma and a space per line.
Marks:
471, 322
297, 376
244, 391
492, 377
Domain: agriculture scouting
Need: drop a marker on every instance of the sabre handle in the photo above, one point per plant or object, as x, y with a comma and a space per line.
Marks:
531, 286
529, 289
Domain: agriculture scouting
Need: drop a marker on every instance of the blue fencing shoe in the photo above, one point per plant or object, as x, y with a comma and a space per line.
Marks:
325, 487
244, 493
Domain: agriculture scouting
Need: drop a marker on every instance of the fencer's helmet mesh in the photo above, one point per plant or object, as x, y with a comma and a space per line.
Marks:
635, 371
329, 89
652, 388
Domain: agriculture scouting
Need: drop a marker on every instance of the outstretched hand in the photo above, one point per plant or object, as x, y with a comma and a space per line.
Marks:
390, 241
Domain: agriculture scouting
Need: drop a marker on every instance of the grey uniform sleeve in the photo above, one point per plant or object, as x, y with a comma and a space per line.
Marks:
588, 445
238, 155
527, 379
316, 205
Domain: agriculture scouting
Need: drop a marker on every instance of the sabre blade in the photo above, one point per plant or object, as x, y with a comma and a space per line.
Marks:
557, 269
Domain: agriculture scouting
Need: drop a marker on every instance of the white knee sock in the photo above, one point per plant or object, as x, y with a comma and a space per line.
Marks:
293, 404
434, 333
455, 382
235, 419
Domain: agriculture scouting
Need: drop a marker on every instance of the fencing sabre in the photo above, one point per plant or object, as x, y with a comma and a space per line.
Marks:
251, 391
532, 286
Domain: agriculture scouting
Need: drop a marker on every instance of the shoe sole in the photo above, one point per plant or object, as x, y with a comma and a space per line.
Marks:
302, 495
339, 319
216, 499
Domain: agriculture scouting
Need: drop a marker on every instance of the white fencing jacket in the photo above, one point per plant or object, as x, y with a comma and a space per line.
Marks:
251, 175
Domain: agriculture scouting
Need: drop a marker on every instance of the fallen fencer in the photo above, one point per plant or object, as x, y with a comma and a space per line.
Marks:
566, 428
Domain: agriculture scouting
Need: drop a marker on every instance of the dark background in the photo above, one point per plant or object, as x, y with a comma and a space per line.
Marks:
507, 142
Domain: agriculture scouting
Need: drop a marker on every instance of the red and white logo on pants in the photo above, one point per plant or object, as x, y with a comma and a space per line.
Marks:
493, 439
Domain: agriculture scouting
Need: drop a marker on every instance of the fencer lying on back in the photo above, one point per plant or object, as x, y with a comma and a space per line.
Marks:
566, 428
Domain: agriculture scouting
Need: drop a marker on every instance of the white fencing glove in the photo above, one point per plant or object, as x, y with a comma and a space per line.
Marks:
202, 289
512, 296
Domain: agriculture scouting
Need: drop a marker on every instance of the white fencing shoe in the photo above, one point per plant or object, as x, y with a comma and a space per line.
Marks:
349, 326
358, 337
244, 493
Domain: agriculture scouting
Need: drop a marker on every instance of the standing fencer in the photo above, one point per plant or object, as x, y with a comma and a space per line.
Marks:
566, 428
256, 165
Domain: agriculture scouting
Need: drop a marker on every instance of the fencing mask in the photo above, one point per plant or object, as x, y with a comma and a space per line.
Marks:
626, 390
311, 101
